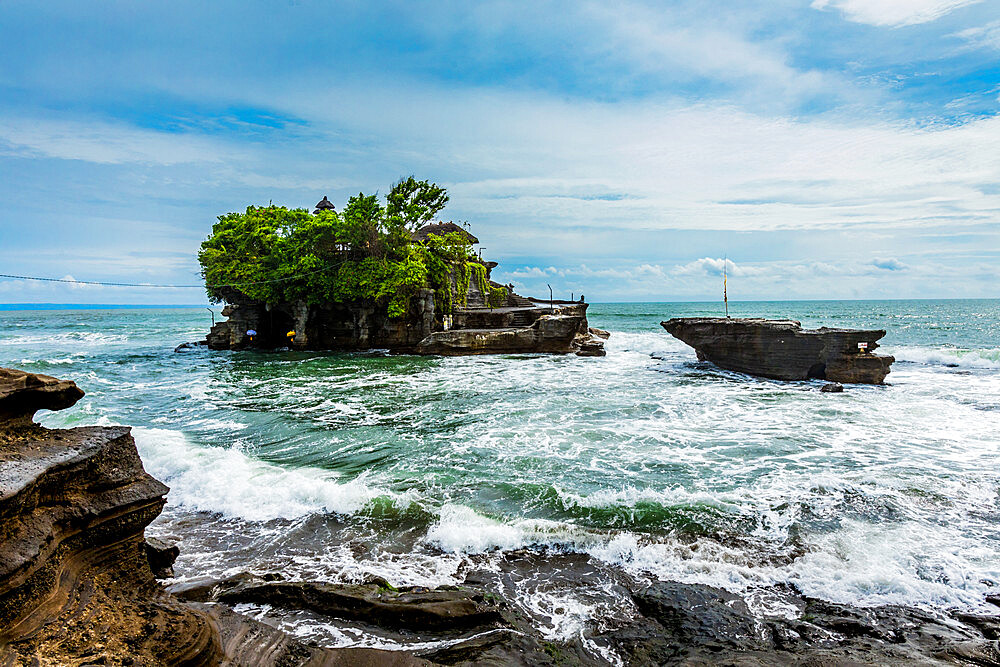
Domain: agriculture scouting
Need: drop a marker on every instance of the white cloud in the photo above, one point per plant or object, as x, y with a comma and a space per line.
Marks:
655, 40
893, 13
100, 142
985, 36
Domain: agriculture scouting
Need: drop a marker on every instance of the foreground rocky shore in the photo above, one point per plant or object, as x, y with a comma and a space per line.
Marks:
78, 586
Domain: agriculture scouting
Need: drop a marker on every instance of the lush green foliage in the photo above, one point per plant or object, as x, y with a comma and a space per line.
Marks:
275, 254
494, 296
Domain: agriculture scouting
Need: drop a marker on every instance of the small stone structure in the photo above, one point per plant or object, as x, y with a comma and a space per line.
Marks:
783, 350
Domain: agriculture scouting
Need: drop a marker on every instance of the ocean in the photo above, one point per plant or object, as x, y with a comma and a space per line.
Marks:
558, 477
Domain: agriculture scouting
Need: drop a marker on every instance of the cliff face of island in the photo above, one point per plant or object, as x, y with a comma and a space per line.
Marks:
783, 350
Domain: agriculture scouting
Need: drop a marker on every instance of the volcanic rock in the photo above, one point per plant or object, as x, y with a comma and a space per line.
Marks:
23, 394
161, 557
783, 350
694, 624
549, 333
832, 388
411, 608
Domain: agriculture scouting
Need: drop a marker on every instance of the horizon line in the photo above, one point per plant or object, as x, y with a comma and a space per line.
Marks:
44, 305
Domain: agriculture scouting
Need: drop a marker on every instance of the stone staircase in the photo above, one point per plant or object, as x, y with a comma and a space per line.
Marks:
523, 319
518, 301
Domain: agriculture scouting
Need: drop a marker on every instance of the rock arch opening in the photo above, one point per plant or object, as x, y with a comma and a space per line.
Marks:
817, 372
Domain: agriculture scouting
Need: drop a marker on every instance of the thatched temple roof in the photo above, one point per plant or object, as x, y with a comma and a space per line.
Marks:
324, 205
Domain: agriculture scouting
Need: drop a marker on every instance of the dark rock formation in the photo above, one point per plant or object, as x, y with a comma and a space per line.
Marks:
413, 608
245, 641
471, 626
669, 623
782, 349
549, 333
832, 388
472, 328
334, 326
693, 624
23, 394
75, 584
161, 557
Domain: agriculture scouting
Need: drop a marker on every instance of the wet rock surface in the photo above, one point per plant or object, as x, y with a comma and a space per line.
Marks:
466, 625
783, 350
245, 641
161, 557
665, 623
412, 608
549, 333
700, 625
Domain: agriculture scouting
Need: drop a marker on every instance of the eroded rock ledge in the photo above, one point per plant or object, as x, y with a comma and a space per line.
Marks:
782, 349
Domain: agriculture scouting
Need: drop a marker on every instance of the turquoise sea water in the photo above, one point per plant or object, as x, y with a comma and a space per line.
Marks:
646, 463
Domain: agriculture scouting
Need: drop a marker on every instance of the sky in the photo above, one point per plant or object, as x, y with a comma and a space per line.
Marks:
825, 149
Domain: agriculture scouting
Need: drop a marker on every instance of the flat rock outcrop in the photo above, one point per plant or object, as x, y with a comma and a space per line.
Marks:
457, 625
549, 333
782, 349
23, 394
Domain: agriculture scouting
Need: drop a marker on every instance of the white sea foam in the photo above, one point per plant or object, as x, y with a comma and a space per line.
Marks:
227, 481
948, 356
651, 343
72, 338
460, 529
55, 361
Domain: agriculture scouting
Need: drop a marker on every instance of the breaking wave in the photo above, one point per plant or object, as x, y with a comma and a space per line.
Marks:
228, 482
988, 358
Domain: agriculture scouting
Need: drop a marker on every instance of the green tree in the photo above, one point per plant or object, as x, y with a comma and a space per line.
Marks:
365, 254
412, 203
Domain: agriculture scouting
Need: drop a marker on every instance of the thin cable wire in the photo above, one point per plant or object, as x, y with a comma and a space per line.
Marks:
110, 284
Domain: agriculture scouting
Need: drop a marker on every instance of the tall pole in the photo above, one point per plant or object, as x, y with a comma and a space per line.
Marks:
552, 308
725, 275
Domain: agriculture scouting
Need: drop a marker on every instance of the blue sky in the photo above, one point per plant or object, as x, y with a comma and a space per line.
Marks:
829, 148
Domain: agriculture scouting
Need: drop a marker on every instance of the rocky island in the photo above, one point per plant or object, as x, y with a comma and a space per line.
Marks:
783, 350
374, 276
